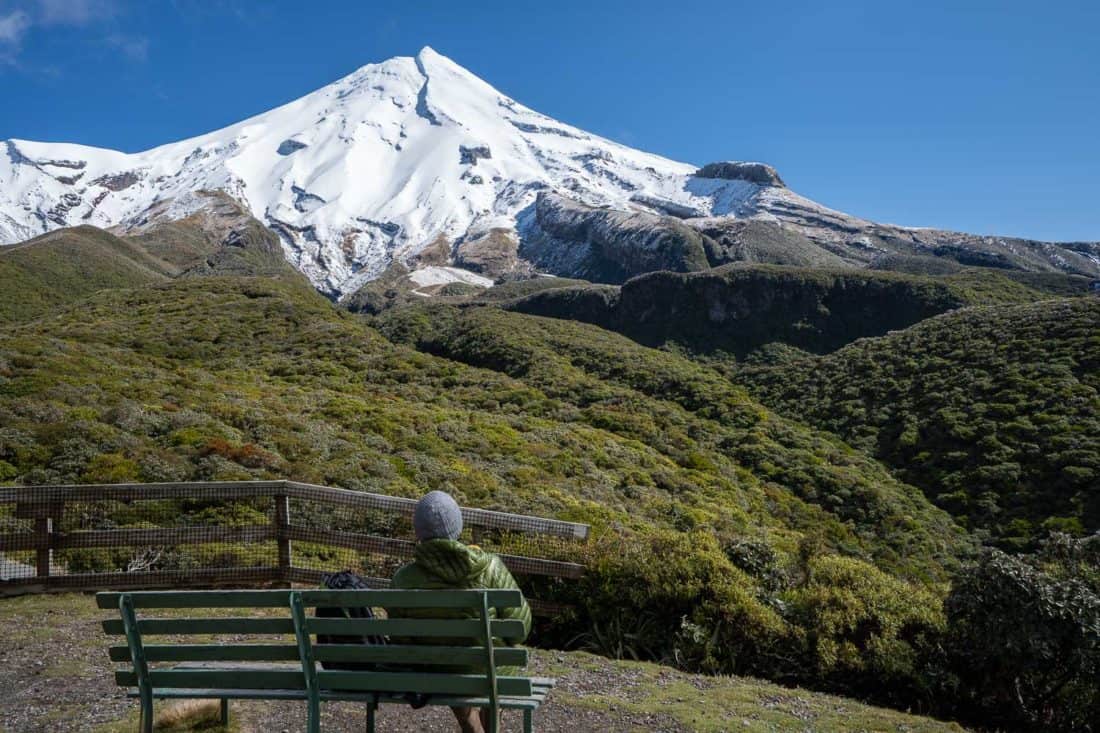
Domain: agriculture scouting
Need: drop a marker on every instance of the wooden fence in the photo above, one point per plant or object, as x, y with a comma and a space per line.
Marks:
38, 522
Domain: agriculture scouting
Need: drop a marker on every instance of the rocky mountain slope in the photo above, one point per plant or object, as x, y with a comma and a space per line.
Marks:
417, 161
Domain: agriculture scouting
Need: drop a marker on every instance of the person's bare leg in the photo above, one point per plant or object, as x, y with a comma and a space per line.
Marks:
485, 715
468, 720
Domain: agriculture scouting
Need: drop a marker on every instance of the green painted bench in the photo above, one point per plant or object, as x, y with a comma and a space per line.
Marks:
224, 667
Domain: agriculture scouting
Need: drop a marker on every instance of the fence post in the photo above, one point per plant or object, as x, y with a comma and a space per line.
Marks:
43, 533
282, 527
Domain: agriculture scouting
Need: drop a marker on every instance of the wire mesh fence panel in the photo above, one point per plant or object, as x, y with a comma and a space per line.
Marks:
244, 534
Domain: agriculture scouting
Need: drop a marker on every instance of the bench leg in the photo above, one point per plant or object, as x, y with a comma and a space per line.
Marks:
528, 720
225, 712
314, 716
146, 711
371, 708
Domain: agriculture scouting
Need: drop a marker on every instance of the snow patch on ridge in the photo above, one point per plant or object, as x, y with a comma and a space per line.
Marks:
428, 276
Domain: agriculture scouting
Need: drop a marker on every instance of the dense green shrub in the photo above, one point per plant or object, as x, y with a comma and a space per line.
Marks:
866, 632
1024, 638
675, 597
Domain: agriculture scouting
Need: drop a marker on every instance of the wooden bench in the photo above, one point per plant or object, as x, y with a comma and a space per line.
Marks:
232, 669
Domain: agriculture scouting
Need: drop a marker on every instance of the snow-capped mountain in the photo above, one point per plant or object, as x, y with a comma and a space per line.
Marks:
416, 155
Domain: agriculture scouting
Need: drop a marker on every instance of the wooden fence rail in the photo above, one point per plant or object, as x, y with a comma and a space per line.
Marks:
41, 509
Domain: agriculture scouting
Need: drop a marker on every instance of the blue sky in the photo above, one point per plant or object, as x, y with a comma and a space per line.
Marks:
978, 116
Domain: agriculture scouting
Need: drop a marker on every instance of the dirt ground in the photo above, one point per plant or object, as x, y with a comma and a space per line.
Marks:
55, 675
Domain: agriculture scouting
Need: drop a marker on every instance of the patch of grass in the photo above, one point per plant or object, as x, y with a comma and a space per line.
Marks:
183, 716
721, 704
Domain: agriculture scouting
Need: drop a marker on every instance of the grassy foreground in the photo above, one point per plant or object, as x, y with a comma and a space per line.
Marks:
56, 672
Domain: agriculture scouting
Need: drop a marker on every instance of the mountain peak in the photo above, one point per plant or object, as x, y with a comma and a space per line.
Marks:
409, 155
428, 54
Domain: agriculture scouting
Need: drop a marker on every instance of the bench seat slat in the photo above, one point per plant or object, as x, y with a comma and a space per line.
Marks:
423, 682
314, 598
217, 625
417, 654
210, 653
269, 679
208, 693
515, 703
459, 628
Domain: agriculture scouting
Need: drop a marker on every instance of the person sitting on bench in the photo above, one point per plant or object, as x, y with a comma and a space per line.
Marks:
441, 561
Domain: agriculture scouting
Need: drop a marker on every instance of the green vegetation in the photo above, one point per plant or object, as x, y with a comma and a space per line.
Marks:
1024, 641
700, 422
68, 265
993, 412
738, 309
737, 529
717, 704
229, 378
65, 266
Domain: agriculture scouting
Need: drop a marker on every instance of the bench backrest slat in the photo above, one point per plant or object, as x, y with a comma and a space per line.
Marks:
215, 626
312, 598
410, 654
404, 627
253, 679
414, 627
210, 653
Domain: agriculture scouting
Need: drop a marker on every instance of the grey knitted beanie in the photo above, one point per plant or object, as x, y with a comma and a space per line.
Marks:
437, 516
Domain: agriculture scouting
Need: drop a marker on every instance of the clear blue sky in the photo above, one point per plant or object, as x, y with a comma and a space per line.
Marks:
979, 116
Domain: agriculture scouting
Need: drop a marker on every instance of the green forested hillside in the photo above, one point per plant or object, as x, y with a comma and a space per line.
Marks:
994, 412
271, 363
67, 265
695, 417
781, 530
725, 517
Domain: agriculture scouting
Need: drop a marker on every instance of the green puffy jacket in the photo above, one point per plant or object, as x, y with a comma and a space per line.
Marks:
444, 563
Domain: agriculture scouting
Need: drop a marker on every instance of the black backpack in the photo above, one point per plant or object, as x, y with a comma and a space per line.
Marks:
346, 580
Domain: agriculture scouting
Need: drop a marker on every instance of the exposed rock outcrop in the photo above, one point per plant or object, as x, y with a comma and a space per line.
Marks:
118, 181
494, 254
471, 154
605, 245
761, 174
286, 147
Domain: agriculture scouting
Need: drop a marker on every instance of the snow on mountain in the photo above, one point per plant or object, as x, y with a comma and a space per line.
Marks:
371, 167
410, 156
